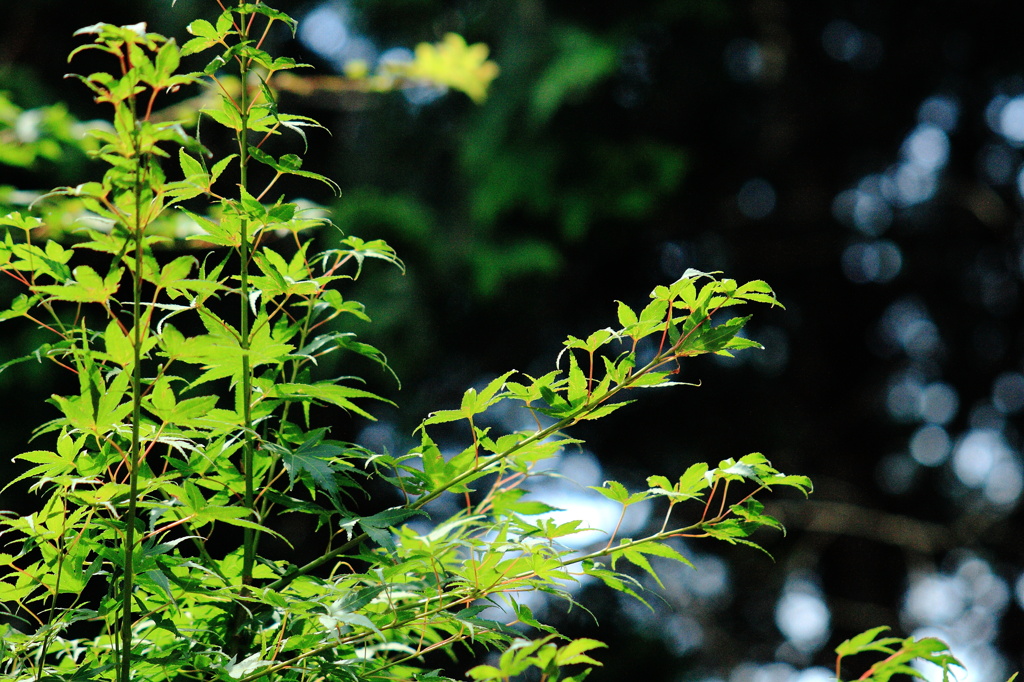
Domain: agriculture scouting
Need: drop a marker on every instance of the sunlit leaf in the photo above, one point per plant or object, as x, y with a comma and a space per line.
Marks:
313, 457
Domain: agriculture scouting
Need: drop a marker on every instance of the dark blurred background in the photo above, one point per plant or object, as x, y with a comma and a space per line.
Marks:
862, 156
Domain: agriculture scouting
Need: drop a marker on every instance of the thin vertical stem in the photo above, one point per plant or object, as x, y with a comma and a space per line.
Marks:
135, 453
248, 456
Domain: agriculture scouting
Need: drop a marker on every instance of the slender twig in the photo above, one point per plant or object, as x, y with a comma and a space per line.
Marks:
137, 230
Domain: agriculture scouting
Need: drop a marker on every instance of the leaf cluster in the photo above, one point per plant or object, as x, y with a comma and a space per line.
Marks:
899, 655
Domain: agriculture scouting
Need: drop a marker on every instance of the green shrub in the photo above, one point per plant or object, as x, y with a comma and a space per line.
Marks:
195, 343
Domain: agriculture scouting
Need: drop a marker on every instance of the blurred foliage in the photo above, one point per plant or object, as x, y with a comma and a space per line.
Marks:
27, 137
487, 203
45, 141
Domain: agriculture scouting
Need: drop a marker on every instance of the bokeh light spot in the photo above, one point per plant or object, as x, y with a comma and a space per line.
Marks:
845, 42
997, 163
907, 325
581, 468
975, 456
328, 30
682, 634
573, 499
875, 261
764, 672
773, 358
802, 615
325, 30
756, 199
903, 399
710, 579
939, 403
1008, 392
962, 608
896, 473
1018, 591
985, 416
1004, 486
744, 59
815, 674
930, 445
1020, 181
915, 184
1011, 120
939, 110
396, 56
864, 210
983, 460
927, 147
935, 599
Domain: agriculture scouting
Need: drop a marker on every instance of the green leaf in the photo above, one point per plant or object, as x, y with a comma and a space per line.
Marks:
226, 115
118, 345
577, 388
337, 616
289, 164
598, 339
166, 63
99, 408
327, 392
613, 490
442, 417
600, 411
377, 526
752, 511
733, 532
220, 351
867, 641
50, 466
573, 652
269, 12
627, 318
714, 339
312, 458
653, 380
474, 403
801, 483
757, 291
659, 482
617, 581
201, 28
86, 286
487, 395
485, 672
511, 502
192, 169
694, 480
